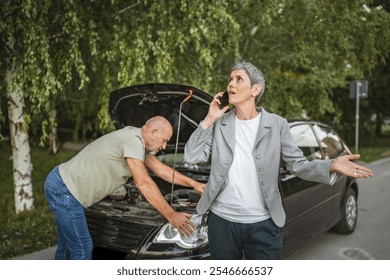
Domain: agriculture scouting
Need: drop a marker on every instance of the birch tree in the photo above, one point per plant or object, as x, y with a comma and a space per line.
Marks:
23, 191
36, 70
56, 51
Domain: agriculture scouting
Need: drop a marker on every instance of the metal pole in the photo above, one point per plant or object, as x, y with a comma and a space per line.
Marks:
358, 84
177, 143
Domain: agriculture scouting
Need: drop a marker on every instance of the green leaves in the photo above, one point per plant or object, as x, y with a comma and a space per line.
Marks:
307, 48
69, 50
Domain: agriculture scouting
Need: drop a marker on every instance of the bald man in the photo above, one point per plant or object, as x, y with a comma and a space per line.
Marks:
101, 168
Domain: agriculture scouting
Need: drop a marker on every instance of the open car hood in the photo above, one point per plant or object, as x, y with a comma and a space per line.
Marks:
134, 105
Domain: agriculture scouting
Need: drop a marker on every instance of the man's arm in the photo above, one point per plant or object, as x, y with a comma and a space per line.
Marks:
152, 193
165, 172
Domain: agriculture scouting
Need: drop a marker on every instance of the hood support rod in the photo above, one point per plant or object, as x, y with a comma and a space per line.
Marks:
177, 143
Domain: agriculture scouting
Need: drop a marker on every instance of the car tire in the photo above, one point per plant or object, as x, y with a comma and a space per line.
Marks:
348, 221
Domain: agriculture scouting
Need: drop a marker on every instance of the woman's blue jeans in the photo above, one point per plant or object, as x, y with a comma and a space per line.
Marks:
73, 238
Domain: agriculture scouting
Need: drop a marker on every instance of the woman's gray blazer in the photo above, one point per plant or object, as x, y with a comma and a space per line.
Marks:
273, 143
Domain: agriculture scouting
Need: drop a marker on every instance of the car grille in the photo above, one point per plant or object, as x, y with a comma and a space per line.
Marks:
116, 230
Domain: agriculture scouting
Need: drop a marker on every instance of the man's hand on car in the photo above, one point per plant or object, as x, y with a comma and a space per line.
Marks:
181, 221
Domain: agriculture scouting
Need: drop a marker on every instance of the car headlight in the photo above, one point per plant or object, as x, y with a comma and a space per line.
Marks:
169, 234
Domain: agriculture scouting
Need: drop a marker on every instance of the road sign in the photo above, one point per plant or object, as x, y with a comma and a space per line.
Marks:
360, 87
357, 90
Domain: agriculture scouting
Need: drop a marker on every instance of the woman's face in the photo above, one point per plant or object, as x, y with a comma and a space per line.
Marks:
240, 88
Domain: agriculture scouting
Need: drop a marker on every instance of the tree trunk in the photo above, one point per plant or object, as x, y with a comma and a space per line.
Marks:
53, 136
22, 166
378, 124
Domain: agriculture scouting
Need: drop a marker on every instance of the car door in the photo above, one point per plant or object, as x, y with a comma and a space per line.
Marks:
306, 203
332, 147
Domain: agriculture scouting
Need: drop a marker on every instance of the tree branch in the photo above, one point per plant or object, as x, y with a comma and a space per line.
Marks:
127, 8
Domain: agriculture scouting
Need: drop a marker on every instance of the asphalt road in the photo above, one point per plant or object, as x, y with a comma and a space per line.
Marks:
371, 237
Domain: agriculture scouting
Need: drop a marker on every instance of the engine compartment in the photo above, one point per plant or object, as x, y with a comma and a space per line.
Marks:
183, 199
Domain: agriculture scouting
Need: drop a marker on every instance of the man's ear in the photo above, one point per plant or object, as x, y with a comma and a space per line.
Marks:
256, 89
153, 132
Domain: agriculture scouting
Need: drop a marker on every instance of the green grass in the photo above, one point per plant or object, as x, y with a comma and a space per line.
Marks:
32, 230
377, 148
372, 153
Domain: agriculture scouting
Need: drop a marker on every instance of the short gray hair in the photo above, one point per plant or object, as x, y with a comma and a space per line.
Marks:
254, 73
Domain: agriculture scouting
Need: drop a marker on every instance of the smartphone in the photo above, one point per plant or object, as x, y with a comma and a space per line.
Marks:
224, 100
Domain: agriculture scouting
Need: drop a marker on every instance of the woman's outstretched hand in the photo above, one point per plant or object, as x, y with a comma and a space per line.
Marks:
345, 166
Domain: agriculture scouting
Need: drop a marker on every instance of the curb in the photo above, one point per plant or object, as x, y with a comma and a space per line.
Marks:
45, 254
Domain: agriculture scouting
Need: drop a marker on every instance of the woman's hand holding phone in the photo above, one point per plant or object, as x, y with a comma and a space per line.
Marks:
224, 99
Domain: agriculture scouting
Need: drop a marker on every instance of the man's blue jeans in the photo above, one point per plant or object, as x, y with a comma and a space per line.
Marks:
235, 241
73, 238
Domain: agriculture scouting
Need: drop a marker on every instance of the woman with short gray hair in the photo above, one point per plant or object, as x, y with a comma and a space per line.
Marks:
246, 146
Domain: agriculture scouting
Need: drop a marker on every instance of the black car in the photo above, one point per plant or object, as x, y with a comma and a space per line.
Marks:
125, 226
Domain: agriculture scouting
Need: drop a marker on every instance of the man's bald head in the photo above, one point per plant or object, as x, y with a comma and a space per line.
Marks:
160, 123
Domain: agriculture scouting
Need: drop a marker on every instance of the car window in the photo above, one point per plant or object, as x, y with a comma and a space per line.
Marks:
330, 142
305, 139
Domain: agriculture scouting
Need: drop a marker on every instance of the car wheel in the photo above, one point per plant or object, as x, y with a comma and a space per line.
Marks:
348, 220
